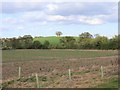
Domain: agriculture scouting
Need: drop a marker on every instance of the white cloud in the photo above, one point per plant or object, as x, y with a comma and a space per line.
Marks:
43, 19
42, 23
56, 18
60, 1
76, 19
33, 16
18, 7
44, 13
52, 7
90, 20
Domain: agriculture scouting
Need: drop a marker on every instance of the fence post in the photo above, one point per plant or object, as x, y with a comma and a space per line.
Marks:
19, 73
69, 74
102, 72
37, 80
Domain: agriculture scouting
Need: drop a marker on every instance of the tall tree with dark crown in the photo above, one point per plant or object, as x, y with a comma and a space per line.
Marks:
58, 33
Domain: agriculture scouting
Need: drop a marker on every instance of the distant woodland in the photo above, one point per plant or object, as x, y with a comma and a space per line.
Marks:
83, 41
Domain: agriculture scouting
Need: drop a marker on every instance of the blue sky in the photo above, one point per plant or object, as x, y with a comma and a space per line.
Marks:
71, 18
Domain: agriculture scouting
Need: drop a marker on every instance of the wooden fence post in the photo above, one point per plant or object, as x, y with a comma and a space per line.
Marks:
102, 72
19, 73
69, 74
37, 80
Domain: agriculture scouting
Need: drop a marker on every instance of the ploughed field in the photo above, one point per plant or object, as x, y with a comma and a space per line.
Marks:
60, 68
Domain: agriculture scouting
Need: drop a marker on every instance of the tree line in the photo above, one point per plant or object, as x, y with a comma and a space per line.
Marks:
84, 41
25, 42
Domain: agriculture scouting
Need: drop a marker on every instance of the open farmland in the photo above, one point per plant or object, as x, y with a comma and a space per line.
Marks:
28, 55
52, 67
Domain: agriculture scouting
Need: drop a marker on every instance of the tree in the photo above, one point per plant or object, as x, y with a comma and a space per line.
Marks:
96, 35
6, 44
27, 40
46, 44
85, 43
68, 42
36, 45
114, 42
101, 42
15, 43
85, 35
58, 33
85, 40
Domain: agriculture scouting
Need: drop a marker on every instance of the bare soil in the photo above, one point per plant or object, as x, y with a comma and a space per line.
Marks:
85, 72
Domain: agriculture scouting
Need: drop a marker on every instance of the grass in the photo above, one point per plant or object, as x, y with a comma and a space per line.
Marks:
81, 73
28, 80
52, 39
26, 55
113, 83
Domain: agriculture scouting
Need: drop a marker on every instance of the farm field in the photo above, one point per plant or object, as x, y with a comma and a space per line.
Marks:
60, 68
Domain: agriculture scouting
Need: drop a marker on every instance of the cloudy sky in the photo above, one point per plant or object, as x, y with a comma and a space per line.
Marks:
71, 18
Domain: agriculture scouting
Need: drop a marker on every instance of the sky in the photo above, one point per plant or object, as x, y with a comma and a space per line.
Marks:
45, 18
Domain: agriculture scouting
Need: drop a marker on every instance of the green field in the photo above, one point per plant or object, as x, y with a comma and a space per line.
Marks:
111, 83
24, 55
53, 39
